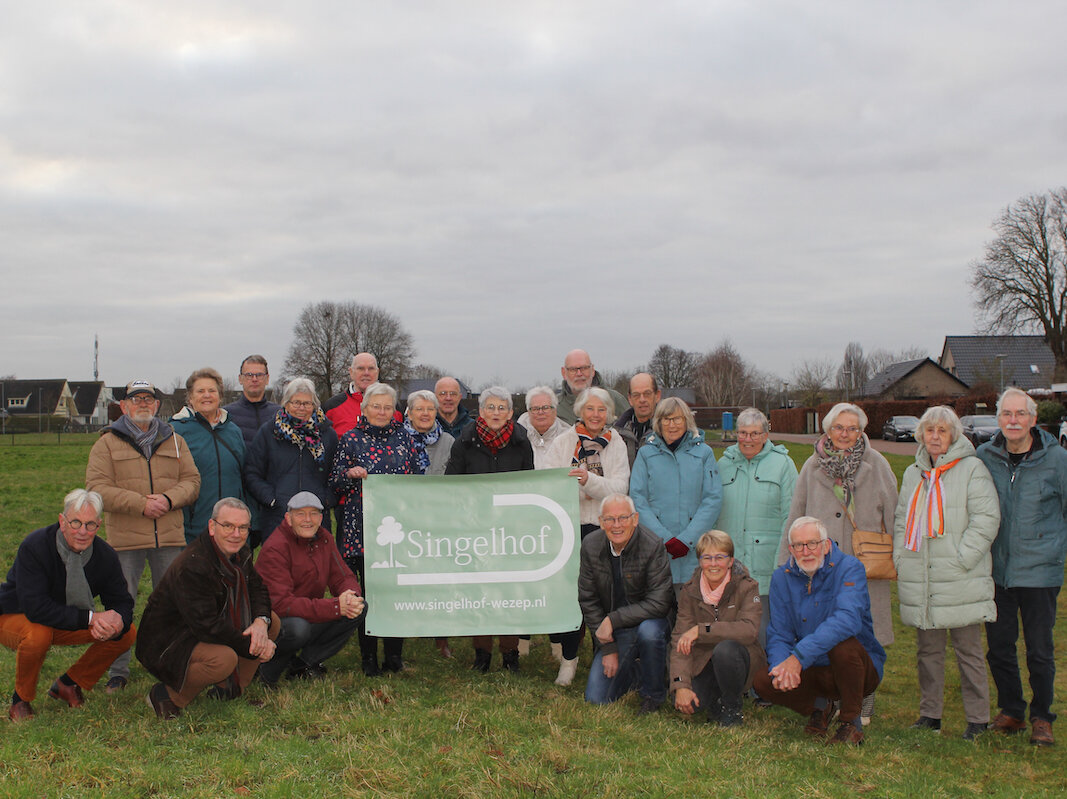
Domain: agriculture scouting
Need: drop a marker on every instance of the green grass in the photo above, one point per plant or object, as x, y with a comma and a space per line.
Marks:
441, 730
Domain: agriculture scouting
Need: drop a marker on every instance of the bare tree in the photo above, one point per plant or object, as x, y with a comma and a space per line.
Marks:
1021, 284
882, 359
327, 334
673, 367
723, 378
854, 371
811, 378
618, 379
425, 371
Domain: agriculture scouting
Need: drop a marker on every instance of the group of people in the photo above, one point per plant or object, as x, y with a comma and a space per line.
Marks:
699, 578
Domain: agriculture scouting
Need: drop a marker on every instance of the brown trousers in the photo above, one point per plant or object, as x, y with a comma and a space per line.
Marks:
30, 642
508, 643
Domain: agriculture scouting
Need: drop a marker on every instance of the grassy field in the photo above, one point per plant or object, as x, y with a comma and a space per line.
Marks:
440, 730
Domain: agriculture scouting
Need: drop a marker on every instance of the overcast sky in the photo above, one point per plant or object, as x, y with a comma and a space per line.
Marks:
511, 179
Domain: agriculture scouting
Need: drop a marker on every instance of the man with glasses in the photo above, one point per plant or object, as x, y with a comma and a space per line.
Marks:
344, 409
252, 409
626, 595
1029, 469
209, 621
636, 423
48, 600
579, 374
452, 414
146, 475
820, 638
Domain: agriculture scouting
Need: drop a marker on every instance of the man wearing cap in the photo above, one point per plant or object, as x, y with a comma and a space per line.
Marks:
48, 600
299, 562
146, 475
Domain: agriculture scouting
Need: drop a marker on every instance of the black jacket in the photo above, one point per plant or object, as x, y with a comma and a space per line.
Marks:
250, 416
471, 456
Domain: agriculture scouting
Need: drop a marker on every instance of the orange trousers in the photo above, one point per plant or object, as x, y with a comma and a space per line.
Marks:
30, 642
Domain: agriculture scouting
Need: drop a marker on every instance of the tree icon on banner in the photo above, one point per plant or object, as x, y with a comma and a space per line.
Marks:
390, 532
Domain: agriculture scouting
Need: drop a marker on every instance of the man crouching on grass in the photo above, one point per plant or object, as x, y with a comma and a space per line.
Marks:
48, 600
820, 637
209, 621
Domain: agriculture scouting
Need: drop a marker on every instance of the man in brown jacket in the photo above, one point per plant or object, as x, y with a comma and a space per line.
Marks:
146, 475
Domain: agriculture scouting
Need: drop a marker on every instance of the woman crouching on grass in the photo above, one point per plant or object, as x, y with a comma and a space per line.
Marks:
715, 647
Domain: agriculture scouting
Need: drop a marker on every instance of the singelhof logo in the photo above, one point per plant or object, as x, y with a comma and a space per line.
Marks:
498, 542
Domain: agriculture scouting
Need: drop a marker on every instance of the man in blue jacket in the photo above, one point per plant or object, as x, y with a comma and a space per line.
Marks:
1029, 469
820, 638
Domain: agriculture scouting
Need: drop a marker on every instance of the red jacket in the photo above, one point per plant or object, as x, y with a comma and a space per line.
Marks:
344, 409
298, 571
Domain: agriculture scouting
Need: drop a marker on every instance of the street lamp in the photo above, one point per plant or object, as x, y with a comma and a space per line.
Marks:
1001, 357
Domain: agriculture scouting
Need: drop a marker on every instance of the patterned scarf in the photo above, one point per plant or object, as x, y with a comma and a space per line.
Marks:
79, 594
496, 440
143, 438
841, 467
589, 449
423, 440
921, 520
303, 434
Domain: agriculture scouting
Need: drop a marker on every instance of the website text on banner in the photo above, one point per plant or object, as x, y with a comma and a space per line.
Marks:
493, 554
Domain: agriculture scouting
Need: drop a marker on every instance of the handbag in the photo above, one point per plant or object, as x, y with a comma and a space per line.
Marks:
874, 550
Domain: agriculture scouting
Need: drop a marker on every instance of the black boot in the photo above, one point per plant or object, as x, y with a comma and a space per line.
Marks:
511, 661
370, 666
393, 663
481, 660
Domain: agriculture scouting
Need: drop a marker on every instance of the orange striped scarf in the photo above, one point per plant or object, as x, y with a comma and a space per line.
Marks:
921, 519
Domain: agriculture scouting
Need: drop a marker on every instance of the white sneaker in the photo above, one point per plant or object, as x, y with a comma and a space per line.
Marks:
567, 670
557, 652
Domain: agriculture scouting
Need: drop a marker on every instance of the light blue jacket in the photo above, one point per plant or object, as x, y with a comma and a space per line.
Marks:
678, 494
1030, 547
756, 495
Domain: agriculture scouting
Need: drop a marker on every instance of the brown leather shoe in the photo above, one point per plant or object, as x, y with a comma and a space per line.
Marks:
20, 711
1041, 732
1009, 725
159, 700
847, 733
71, 694
819, 722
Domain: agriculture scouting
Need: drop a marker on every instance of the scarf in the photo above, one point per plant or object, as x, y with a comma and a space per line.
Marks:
238, 604
142, 438
496, 440
921, 519
841, 467
424, 440
302, 434
712, 596
79, 594
589, 449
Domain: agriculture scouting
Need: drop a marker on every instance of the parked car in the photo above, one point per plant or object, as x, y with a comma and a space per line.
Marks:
1063, 433
979, 429
900, 428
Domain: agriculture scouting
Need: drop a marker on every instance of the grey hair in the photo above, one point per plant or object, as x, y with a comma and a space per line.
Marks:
537, 391
753, 416
840, 408
1031, 405
617, 498
939, 414
498, 392
79, 498
666, 407
595, 391
426, 396
374, 389
229, 502
299, 385
804, 521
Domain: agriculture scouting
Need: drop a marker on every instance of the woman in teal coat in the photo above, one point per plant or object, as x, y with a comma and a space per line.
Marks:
947, 516
675, 486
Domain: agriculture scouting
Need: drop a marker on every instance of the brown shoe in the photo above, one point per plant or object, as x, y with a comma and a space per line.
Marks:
71, 694
847, 733
819, 722
1041, 732
20, 711
159, 700
1009, 725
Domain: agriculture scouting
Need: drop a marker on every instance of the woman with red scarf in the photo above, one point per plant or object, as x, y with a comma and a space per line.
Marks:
597, 458
947, 517
494, 443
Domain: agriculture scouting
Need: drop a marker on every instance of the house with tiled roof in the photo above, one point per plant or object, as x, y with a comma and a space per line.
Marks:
917, 379
999, 361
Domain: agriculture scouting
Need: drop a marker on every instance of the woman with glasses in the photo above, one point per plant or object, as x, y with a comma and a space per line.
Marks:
597, 459
378, 444
848, 485
714, 648
290, 454
758, 478
946, 519
542, 422
676, 486
494, 443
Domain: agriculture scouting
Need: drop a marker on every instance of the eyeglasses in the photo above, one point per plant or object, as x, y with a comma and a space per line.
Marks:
142, 399
497, 408
77, 524
541, 409
302, 403
229, 527
448, 393
750, 436
1015, 414
643, 394
840, 428
254, 375
573, 370
615, 519
381, 408
672, 420
810, 546
716, 559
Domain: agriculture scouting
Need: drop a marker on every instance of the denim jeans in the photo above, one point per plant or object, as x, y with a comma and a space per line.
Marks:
719, 685
133, 562
1037, 606
314, 641
642, 664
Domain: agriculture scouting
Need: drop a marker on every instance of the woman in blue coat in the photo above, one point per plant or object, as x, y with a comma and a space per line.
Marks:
676, 487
